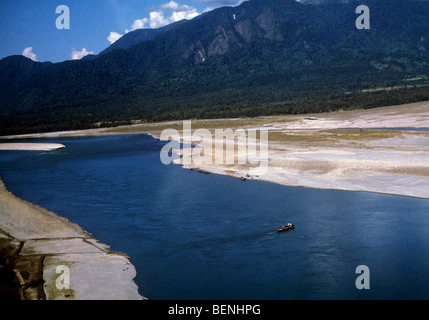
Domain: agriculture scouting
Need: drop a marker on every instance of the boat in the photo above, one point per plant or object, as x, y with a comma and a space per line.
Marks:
286, 227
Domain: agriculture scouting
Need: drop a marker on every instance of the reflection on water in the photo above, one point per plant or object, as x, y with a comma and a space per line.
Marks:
195, 236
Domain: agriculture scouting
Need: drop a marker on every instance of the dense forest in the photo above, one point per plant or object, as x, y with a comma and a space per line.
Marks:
261, 58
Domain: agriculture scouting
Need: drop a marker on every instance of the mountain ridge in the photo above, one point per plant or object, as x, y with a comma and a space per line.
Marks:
259, 58
138, 36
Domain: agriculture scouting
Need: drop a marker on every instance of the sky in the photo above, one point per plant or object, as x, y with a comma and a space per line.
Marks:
30, 27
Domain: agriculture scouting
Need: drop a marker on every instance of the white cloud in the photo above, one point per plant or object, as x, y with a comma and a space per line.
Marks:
172, 5
169, 12
219, 3
165, 14
138, 24
113, 37
188, 14
157, 19
28, 52
77, 55
208, 9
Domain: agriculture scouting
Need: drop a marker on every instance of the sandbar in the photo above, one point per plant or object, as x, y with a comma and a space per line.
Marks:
328, 151
15, 146
335, 150
34, 242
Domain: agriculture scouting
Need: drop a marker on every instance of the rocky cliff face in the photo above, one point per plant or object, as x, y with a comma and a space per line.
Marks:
238, 26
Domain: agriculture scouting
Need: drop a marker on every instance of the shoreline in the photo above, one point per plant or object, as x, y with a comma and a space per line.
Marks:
35, 242
326, 151
394, 173
314, 150
308, 151
30, 146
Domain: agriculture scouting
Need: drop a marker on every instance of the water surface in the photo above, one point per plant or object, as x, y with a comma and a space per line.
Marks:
197, 236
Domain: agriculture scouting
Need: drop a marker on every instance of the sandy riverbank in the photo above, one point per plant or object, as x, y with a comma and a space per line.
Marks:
310, 151
323, 151
34, 242
318, 150
30, 146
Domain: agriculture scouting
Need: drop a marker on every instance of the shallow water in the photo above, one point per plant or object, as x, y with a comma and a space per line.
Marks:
197, 236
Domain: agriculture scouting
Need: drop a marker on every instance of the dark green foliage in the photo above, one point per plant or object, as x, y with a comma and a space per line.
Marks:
277, 57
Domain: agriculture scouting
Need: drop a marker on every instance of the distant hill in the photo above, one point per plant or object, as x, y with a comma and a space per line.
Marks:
263, 57
15, 70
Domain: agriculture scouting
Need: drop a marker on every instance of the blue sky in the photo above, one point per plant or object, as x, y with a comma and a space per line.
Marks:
29, 26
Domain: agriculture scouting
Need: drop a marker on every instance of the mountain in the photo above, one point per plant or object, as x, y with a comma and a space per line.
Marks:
15, 70
138, 36
263, 57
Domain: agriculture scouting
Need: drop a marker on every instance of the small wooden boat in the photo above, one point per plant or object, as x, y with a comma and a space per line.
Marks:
286, 227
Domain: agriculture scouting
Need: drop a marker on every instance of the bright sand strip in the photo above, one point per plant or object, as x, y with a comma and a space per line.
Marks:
311, 151
36, 242
307, 151
398, 165
314, 151
31, 146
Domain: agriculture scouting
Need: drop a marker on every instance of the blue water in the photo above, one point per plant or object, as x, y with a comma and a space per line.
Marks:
197, 236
